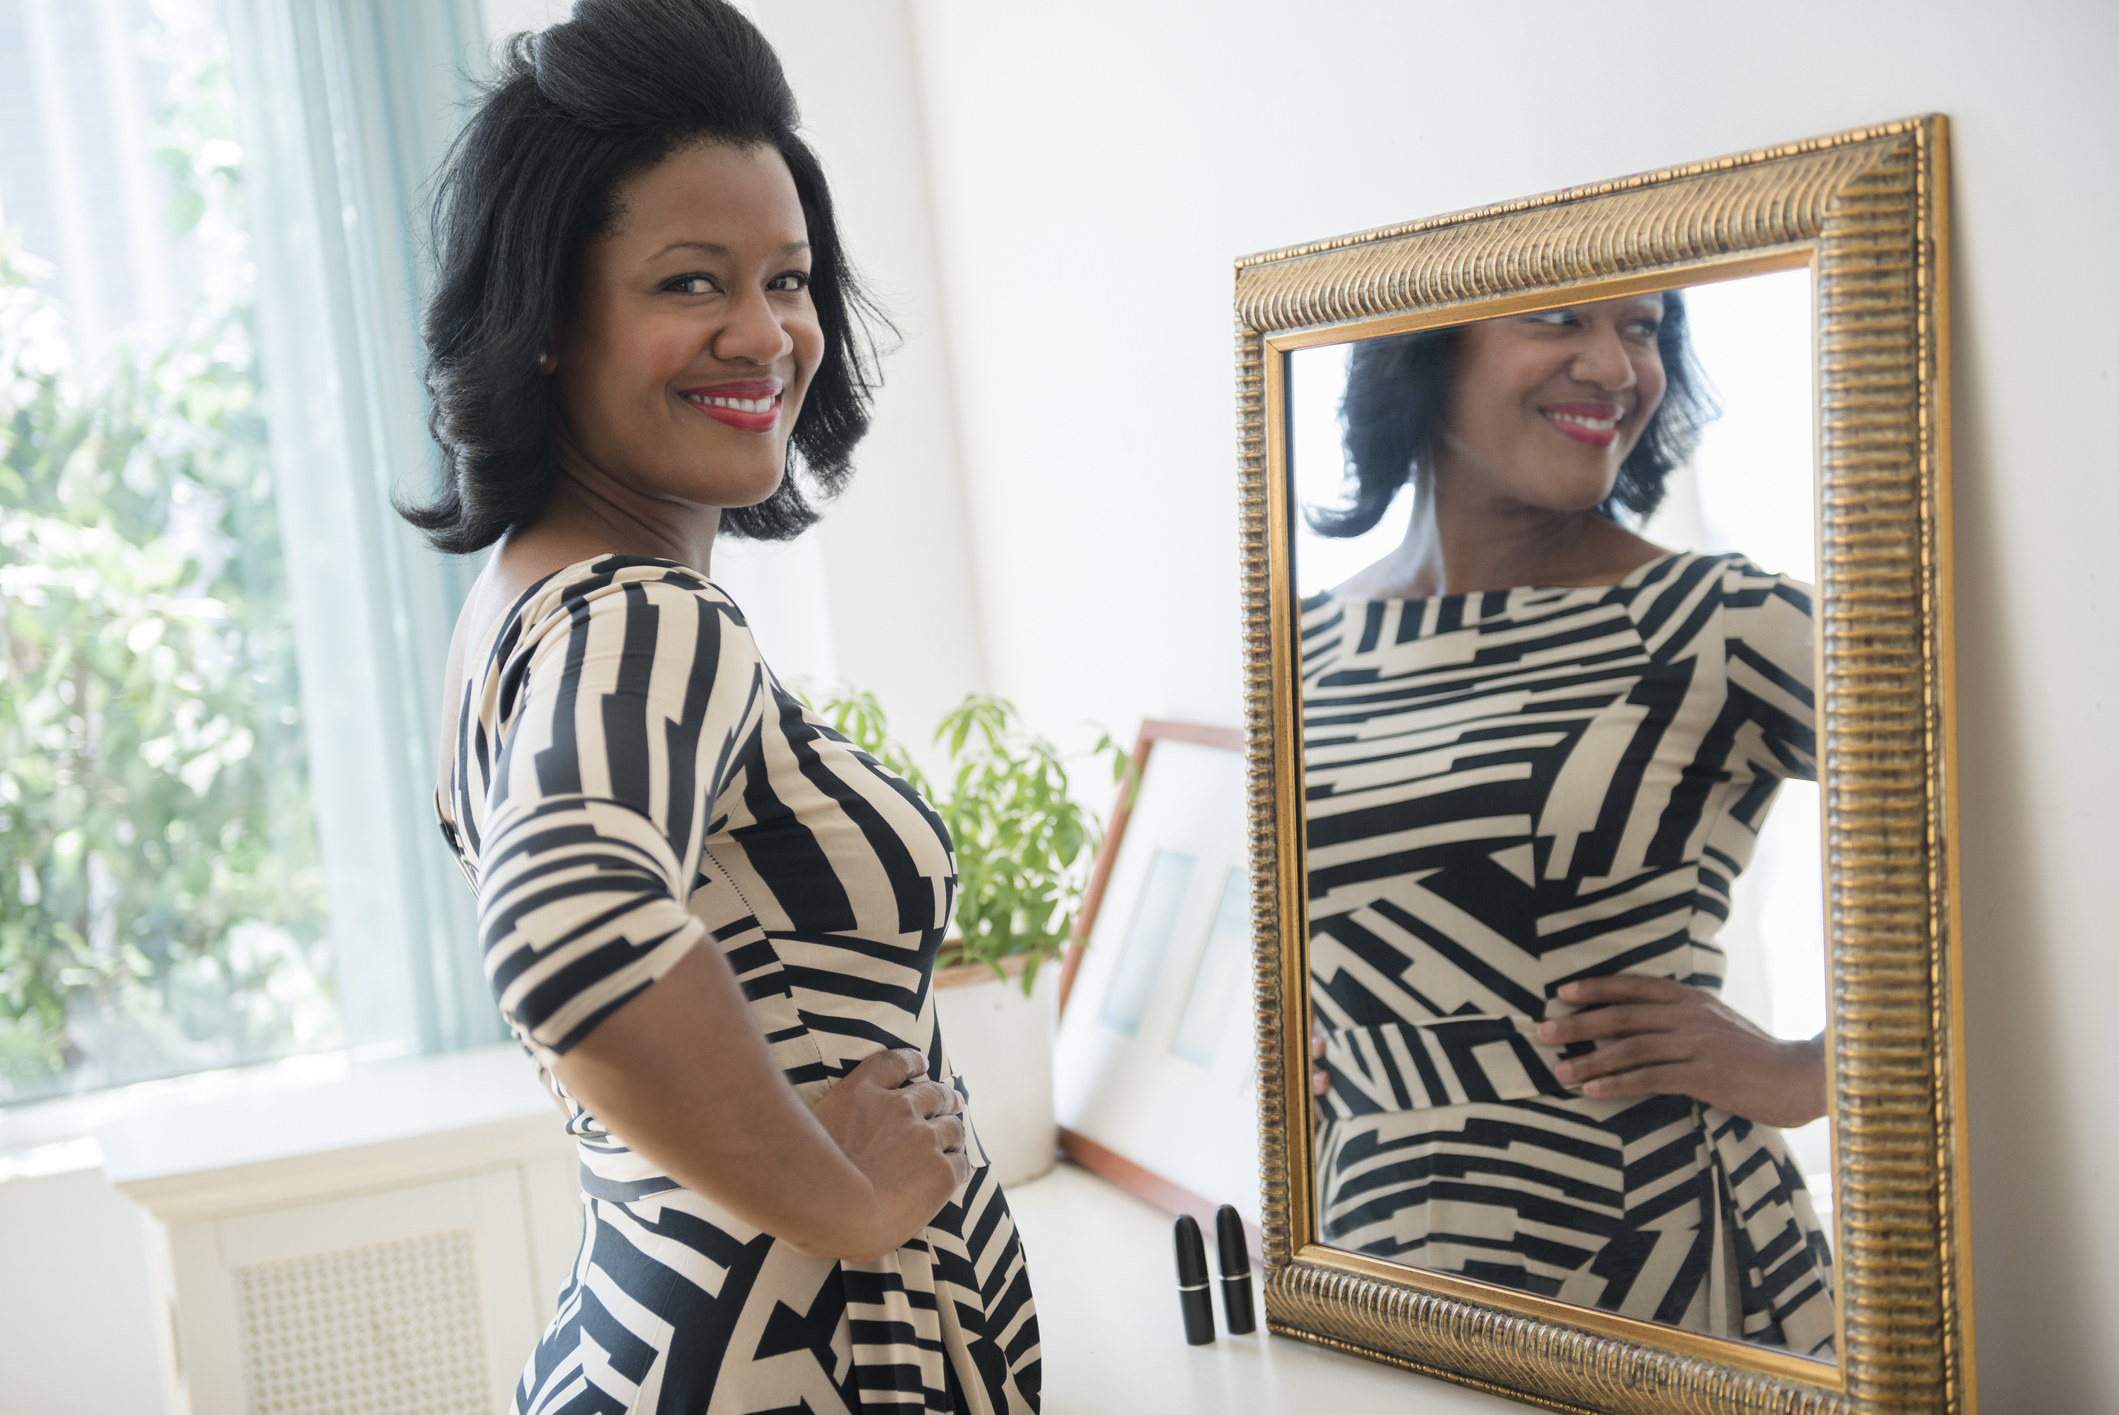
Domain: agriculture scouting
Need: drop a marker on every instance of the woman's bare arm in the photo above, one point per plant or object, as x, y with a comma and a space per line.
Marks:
1656, 1036
682, 1075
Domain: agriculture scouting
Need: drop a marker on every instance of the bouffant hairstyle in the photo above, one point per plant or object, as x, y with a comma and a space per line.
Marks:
573, 112
1397, 392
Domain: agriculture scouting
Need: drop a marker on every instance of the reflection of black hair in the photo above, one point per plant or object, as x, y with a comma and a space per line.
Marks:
574, 111
1397, 390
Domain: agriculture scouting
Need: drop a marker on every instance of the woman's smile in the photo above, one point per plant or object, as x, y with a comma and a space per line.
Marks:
749, 406
1594, 423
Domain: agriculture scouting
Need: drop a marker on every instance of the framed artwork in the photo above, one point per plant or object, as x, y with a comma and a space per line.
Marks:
1154, 1078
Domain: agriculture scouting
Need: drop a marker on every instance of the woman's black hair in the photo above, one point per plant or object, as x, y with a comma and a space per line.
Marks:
1397, 391
532, 180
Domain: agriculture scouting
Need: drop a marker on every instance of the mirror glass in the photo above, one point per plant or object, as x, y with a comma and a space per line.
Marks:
1563, 858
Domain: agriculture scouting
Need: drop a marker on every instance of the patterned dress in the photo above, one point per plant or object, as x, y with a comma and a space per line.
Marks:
1512, 789
631, 782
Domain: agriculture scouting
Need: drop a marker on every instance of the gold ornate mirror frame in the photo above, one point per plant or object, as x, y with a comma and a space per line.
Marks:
1867, 211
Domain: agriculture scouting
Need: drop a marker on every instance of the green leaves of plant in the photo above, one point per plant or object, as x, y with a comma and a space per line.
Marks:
161, 901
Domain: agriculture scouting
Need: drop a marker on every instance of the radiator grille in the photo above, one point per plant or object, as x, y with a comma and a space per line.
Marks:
383, 1329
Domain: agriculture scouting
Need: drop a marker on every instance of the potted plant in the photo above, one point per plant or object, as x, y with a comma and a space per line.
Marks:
1023, 849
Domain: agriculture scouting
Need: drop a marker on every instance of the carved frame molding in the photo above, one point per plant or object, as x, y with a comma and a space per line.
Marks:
1867, 210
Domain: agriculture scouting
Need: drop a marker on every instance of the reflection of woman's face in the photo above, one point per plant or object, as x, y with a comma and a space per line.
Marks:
1544, 407
682, 361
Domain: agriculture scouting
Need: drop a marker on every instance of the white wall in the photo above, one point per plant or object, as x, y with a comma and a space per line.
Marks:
1098, 164
895, 551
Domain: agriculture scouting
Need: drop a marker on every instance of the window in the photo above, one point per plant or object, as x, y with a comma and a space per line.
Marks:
218, 652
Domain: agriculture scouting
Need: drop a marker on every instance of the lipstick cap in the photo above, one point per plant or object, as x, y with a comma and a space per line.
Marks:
1192, 1298
1229, 1243
1191, 1253
1237, 1311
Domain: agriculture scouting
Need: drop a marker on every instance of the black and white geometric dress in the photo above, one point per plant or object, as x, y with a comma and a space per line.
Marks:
631, 782
1506, 791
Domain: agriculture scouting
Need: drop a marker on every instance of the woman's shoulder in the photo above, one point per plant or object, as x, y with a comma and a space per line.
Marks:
614, 586
1745, 583
588, 581
628, 599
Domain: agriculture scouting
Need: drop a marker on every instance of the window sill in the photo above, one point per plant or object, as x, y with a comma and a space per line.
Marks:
339, 1129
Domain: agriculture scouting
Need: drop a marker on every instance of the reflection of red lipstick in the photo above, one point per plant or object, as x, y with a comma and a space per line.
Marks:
751, 406
1594, 423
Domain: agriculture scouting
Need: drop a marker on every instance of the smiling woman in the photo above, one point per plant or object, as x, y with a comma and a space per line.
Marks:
710, 917
1539, 748
1473, 408
695, 302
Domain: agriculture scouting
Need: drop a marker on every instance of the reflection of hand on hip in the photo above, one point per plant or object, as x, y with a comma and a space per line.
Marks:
1655, 1036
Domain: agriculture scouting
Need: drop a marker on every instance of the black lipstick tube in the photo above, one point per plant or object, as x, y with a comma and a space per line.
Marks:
1235, 1255
1192, 1283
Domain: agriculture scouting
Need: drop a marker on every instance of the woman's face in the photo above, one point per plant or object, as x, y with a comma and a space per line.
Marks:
682, 360
1544, 407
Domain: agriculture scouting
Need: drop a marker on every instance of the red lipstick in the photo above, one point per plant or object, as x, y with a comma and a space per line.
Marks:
1596, 424
749, 406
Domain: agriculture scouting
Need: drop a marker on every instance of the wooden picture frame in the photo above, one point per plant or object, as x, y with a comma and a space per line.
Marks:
1136, 1174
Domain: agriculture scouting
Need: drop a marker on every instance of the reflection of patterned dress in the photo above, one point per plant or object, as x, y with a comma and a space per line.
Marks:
631, 782
1506, 791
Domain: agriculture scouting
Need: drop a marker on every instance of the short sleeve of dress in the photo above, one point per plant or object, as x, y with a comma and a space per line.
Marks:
1771, 633
627, 699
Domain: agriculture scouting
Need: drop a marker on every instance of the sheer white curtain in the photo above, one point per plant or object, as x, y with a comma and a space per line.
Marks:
345, 107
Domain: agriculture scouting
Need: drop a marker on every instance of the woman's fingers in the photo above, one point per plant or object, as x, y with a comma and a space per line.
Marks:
931, 1100
890, 1069
1675, 1079
1625, 1054
1619, 1020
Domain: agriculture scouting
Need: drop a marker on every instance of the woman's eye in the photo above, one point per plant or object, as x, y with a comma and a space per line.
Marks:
1647, 328
691, 285
1555, 317
792, 280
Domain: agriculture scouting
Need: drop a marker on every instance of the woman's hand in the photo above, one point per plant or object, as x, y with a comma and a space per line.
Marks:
682, 1073
905, 1135
1659, 1037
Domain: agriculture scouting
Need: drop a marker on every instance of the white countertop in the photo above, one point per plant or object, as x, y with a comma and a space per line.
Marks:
1106, 1285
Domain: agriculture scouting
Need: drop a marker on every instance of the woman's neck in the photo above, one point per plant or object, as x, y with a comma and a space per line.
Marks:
1458, 544
591, 513
583, 520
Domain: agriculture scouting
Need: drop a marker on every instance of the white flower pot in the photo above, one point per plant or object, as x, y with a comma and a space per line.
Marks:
1000, 1042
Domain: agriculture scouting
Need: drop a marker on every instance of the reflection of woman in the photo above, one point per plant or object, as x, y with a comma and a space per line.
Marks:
1525, 810
709, 918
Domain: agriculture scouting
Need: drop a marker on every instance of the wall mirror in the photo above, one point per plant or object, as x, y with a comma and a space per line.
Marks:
1597, 576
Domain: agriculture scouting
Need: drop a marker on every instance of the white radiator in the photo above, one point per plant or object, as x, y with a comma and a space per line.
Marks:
381, 1329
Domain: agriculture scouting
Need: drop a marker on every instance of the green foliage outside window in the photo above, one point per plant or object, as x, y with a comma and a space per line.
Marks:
1023, 844
161, 904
